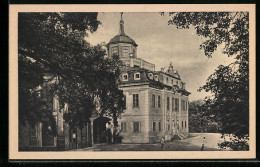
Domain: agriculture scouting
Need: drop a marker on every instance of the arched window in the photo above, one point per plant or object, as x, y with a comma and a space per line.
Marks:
151, 75
156, 77
168, 103
172, 104
153, 100
137, 76
176, 105
125, 77
159, 101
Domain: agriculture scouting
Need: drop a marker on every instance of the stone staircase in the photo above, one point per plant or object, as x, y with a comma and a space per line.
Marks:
179, 137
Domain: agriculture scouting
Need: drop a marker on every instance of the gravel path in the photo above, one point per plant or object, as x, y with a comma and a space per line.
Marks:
193, 143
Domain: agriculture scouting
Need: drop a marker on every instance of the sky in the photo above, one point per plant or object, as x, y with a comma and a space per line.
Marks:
160, 44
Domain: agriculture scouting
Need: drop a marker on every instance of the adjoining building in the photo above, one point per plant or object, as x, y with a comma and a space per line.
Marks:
156, 106
156, 101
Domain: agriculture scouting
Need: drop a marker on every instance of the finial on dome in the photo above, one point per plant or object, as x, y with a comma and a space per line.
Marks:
121, 28
121, 15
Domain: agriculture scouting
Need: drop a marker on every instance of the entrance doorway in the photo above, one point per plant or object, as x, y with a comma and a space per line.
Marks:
99, 130
47, 136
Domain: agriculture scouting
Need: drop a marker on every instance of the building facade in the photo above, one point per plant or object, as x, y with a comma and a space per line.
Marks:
156, 101
156, 106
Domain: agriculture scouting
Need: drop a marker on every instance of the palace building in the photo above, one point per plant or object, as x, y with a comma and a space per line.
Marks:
156, 106
156, 101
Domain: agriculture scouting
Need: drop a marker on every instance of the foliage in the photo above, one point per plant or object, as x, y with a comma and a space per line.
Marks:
199, 120
235, 143
229, 104
66, 64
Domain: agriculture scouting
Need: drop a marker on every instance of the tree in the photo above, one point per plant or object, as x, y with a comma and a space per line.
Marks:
229, 104
200, 120
53, 45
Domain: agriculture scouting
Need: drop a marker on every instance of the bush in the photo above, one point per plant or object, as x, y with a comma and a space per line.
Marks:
235, 144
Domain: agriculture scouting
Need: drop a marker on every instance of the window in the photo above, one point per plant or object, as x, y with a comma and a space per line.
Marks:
153, 101
173, 123
114, 51
159, 101
183, 105
150, 75
186, 106
137, 76
160, 126
182, 124
125, 52
124, 99
135, 100
136, 126
167, 80
172, 81
185, 124
168, 125
176, 105
168, 103
125, 77
154, 126
156, 77
123, 126
172, 104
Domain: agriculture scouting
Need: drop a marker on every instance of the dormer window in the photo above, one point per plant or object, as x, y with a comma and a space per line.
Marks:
137, 76
156, 77
151, 75
125, 77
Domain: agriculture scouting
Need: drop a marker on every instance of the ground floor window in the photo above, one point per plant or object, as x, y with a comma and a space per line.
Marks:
123, 126
154, 126
160, 126
168, 125
136, 126
182, 124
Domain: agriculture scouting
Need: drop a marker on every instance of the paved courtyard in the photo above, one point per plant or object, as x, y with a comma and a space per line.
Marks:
193, 143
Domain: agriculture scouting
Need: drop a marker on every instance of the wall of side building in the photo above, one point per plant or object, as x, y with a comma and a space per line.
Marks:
36, 138
135, 117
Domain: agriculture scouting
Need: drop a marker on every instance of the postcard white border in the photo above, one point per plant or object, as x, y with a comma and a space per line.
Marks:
13, 82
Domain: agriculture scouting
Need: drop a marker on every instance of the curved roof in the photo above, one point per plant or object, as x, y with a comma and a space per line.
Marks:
122, 38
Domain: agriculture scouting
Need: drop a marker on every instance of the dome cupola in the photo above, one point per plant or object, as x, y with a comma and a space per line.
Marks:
122, 44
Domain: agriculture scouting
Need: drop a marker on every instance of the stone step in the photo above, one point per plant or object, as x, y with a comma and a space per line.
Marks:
177, 137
